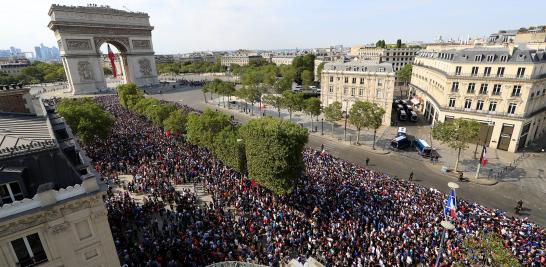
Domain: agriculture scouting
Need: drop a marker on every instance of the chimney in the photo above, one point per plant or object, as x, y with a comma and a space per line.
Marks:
15, 99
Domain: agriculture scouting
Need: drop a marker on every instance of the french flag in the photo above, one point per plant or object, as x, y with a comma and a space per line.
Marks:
483, 157
451, 207
111, 57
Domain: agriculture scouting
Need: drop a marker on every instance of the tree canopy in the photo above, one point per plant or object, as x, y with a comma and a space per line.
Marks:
487, 249
37, 72
364, 114
202, 128
274, 152
86, 118
190, 67
404, 74
292, 102
333, 113
126, 90
456, 134
176, 121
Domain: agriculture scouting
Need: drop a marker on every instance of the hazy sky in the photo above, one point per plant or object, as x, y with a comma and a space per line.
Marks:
194, 25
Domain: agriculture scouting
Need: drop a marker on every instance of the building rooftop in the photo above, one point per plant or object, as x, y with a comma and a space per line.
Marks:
488, 54
360, 66
20, 131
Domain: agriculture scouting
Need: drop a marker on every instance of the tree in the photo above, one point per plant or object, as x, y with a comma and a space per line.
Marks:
306, 78
158, 113
319, 70
249, 94
311, 107
230, 149
176, 121
292, 102
404, 74
86, 118
206, 89
366, 114
333, 113
487, 250
282, 85
399, 43
273, 150
275, 101
381, 44
142, 104
457, 134
202, 128
124, 91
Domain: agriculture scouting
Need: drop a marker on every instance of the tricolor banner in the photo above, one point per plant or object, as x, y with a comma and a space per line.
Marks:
111, 57
483, 157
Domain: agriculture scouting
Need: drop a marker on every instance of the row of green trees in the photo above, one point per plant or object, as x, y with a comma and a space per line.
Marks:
165, 115
268, 150
363, 114
191, 67
37, 72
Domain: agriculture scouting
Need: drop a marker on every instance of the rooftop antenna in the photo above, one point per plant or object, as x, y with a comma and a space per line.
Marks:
124, 7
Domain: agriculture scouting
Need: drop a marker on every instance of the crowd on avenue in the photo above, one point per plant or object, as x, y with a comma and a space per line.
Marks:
340, 213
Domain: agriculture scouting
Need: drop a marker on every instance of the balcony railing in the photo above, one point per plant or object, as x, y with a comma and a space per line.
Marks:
482, 75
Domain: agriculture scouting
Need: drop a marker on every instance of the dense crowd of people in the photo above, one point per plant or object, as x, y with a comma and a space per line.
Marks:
340, 213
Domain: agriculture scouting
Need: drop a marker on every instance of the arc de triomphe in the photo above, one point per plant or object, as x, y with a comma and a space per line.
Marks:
80, 31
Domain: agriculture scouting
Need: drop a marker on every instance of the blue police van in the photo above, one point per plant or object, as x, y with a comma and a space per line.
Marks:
422, 147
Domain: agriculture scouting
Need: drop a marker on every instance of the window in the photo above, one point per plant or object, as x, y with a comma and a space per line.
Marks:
330, 89
346, 79
354, 80
361, 80
471, 87
475, 71
452, 102
500, 71
479, 105
478, 58
483, 89
361, 91
10, 192
511, 108
29, 250
487, 71
353, 91
379, 82
521, 72
490, 58
379, 93
345, 90
331, 79
496, 89
468, 103
455, 87
504, 59
516, 90
492, 106
458, 70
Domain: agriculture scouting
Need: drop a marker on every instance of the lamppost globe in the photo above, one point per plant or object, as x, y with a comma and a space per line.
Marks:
453, 185
447, 225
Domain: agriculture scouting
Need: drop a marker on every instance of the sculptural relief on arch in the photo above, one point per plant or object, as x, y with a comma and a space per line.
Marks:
80, 32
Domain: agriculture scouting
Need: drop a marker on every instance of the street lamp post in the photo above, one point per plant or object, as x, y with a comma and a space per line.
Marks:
322, 126
446, 225
345, 131
489, 123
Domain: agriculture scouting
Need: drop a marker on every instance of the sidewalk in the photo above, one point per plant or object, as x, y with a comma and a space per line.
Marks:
319, 128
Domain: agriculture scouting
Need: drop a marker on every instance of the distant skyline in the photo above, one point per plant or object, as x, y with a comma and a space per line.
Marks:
183, 26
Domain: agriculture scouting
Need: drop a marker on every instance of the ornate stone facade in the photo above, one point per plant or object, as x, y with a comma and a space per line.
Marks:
84, 70
145, 67
141, 44
78, 44
124, 41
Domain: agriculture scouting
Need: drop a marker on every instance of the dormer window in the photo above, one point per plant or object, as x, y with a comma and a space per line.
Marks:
490, 58
478, 58
381, 69
10, 192
504, 58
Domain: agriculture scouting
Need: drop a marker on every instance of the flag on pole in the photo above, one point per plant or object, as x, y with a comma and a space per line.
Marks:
483, 157
450, 207
111, 57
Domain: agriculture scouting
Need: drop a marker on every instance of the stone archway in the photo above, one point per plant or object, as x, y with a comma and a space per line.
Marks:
80, 31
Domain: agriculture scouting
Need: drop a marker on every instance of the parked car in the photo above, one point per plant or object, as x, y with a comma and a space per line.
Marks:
413, 116
297, 88
401, 132
402, 116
